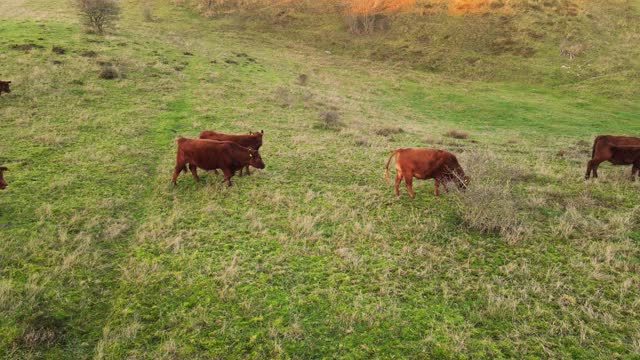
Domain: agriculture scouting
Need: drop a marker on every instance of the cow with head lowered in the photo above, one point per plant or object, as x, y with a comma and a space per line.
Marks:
211, 155
252, 141
3, 182
4, 87
425, 163
618, 150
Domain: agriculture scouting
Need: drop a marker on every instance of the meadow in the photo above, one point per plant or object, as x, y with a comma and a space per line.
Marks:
312, 257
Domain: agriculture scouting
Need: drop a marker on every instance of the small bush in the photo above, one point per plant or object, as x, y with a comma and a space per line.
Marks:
330, 119
98, 15
58, 50
367, 23
386, 131
302, 79
490, 205
571, 50
456, 134
109, 72
362, 142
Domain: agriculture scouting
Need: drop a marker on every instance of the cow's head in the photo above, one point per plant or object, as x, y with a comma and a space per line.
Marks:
3, 182
4, 86
258, 138
458, 177
255, 160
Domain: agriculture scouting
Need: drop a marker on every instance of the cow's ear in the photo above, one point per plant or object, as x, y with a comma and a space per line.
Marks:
3, 168
8, 82
261, 131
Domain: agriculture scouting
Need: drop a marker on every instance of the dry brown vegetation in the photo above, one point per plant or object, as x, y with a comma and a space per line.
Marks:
98, 15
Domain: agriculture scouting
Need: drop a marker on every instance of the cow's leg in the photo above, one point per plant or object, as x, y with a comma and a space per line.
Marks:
247, 171
587, 175
396, 190
227, 176
635, 171
408, 181
436, 187
194, 172
179, 167
594, 167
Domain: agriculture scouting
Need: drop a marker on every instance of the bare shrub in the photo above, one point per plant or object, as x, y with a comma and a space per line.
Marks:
302, 79
369, 16
58, 50
490, 205
98, 15
329, 120
362, 142
389, 130
367, 23
109, 72
571, 50
456, 134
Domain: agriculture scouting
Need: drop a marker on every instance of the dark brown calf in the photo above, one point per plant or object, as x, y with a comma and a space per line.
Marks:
4, 87
3, 182
210, 155
424, 163
603, 151
252, 141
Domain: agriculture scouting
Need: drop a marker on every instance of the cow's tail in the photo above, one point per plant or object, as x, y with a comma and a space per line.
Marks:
386, 167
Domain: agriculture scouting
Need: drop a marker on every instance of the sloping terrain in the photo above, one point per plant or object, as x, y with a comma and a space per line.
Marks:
312, 257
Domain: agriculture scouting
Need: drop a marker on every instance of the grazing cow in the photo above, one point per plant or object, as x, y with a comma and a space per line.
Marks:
210, 155
602, 151
4, 87
252, 141
3, 182
424, 163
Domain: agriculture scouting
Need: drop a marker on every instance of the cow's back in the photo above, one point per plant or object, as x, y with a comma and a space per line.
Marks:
426, 163
603, 143
251, 141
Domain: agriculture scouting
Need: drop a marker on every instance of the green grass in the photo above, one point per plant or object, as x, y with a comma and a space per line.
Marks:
312, 257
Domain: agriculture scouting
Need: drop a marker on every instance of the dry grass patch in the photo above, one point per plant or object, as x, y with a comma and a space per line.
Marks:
456, 134
389, 130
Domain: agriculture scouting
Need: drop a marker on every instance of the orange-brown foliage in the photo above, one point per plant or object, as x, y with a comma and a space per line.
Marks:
378, 6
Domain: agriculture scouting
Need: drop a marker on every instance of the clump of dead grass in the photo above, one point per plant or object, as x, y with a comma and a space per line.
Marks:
490, 205
329, 120
456, 134
389, 130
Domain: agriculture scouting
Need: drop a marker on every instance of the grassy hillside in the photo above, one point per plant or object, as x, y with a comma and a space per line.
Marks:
312, 257
590, 43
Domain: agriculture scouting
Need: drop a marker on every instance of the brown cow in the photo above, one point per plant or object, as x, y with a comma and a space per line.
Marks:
210, 154
252, 141
3, 182
4, 87
602, 151
628, 155
424, 163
